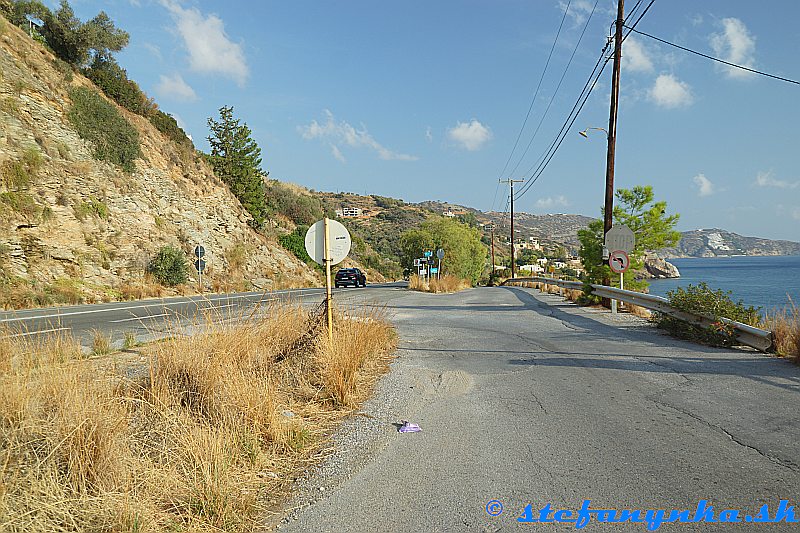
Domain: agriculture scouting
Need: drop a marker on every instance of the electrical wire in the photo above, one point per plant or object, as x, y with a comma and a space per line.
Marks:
583, 95
536, 93
748, 69
552, 97
550, 153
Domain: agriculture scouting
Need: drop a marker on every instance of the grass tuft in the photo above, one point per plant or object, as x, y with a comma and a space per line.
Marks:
785, 326
202, 437
447, 283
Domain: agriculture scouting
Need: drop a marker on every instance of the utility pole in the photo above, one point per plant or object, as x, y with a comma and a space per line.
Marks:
511, 183
608, 213
493, 263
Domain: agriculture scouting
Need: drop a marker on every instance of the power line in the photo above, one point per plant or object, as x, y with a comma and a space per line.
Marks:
566, 122
536, 93
550, 153
552, 97
748, 69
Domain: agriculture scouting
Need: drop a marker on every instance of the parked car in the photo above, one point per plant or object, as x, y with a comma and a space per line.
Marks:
350, 276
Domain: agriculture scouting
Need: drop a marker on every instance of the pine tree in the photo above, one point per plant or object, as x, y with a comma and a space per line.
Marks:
236, 159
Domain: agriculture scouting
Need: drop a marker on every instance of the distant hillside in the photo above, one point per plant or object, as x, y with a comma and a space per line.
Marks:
556, 228
718, 242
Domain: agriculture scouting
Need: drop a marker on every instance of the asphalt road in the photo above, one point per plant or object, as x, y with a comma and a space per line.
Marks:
148, 319
523, 398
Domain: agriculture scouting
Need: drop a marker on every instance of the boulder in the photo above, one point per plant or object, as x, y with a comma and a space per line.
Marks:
660, 268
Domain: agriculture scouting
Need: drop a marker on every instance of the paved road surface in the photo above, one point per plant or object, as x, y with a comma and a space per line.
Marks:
151, 318
526, 399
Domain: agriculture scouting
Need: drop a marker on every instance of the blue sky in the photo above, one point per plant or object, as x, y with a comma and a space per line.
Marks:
424, 100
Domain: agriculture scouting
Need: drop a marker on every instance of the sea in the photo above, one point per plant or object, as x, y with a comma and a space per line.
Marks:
759, 281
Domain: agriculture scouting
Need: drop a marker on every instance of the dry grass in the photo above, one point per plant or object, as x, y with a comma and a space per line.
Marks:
785, 326
200, 440
447, 283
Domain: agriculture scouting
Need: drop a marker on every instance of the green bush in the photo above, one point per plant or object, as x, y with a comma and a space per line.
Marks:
296, 243
93, 207
20, 174
22, 203
99, 122
166, 124
297, 207
169, 266
715, 304
114, 81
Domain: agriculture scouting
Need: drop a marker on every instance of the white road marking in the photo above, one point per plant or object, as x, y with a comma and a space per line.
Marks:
137, 318
27, 333
160, 304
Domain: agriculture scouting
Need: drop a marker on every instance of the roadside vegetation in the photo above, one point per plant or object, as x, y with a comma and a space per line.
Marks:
785, 327
446, 283
653, 228
464, 253
207, 435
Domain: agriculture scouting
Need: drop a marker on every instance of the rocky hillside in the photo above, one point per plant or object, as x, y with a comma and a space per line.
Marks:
68, 219
718, 242
556, 228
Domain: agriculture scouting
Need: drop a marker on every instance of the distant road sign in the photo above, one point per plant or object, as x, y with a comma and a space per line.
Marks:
619, 261
339, 237
428, 254
199, 265
434, 270
416, 262
440, 253
620, 237
199, 251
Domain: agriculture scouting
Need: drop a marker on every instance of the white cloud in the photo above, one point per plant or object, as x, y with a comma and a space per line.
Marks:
668, 91
796, 213
706, 188
429, 135
736, 45
153, 49
470, 135
578, 10
635, 57
343, 134
696, 20
210, 49
175, 88
549, 202
337, 153
765, 179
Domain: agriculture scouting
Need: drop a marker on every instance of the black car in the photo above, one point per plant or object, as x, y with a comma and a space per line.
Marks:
350, 276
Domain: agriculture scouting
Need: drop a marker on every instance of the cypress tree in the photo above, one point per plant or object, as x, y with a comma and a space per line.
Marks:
236, 159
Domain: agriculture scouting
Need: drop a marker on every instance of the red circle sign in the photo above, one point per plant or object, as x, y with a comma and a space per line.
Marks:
619, 261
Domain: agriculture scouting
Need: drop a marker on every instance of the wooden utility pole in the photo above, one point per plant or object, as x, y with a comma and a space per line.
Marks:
493, 263
608, 213
328, 292
511, 184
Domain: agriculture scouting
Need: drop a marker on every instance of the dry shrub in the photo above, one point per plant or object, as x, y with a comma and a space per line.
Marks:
145, 288
446, 283
785, 326
206, 437
639, 311
573, 295
346, 368
418, 283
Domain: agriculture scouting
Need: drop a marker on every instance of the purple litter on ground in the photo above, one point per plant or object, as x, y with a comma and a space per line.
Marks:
408, 427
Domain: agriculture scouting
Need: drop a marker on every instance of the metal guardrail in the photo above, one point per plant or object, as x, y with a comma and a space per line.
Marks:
759, 339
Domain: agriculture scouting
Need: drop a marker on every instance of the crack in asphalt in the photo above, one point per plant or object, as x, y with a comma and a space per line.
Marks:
778, 461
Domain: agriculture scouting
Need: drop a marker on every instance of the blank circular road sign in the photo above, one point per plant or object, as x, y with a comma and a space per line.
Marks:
339, 237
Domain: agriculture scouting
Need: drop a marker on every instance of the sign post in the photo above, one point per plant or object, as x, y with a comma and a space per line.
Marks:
620, 241
440, 256
619, 262
328, 292
328, 243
